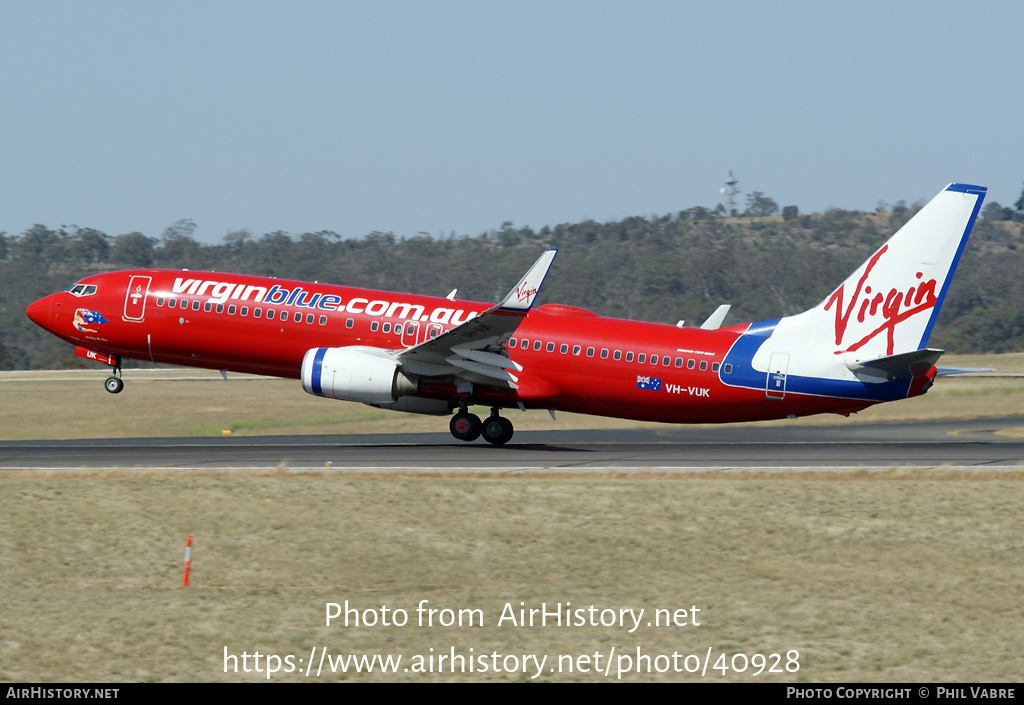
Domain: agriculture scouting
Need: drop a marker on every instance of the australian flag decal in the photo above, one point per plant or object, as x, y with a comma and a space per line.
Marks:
84, 318
651, 383
91, 316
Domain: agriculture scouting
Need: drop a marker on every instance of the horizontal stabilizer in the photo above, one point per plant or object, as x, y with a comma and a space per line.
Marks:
948, 371
909, 364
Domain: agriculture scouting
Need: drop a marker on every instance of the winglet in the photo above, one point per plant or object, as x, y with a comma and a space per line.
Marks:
523, 294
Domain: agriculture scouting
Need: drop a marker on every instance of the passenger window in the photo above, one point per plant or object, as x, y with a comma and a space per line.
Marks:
323, 320
387, 327
195, 305
159, 300
297, 317
525, 344
703, 365
220, 308
398, 330
564, 348
679, 362
172, 303
184, 304
374, 326
309, 318
576, 349
257, 312
349, 322
244, 311
629, 356
590, 352
536, 345
604, 353
270, 314
727, 368
617, 355
207, 307
641, 357
689, 364
511, 342
551, 347
231, 310
714, 367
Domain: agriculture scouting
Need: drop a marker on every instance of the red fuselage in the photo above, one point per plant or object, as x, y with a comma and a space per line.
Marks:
572, 359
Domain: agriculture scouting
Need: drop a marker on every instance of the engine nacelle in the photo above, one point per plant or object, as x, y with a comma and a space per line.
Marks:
354, 374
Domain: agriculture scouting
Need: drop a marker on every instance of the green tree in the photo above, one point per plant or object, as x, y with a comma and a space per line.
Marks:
42, 246
995, 211
134, 249
760, 205
90, 246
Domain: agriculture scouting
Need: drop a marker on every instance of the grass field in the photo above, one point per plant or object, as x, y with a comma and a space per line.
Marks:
893, 576
890, 577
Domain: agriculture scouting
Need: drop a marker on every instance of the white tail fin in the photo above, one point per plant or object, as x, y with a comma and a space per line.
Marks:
889, 305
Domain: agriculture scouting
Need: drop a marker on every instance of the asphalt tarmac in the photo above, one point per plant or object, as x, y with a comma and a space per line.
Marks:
973, 444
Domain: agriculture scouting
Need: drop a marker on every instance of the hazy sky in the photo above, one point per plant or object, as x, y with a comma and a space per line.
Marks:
456, 116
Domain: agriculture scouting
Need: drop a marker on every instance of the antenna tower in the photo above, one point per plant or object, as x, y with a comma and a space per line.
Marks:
730, 191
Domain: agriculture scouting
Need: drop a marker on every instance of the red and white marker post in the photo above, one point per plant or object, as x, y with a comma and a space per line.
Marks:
188, 561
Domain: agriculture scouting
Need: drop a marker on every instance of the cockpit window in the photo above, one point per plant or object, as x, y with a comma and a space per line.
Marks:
83, 289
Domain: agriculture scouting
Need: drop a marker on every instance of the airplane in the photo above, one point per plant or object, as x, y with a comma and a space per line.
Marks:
864, 344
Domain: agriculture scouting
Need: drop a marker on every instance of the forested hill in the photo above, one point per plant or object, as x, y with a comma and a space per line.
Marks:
655, 269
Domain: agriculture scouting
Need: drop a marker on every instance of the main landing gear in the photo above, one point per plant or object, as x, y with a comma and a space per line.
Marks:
496, 430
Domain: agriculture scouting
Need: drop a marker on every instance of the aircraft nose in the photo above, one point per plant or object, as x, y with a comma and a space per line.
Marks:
39, 312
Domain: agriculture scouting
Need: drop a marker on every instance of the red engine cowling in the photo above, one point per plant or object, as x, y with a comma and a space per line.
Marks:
355, 373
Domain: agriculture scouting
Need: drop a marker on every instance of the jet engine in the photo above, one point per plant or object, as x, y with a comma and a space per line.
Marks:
367, 375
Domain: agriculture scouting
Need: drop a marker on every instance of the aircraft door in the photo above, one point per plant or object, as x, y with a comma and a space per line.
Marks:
135, 298
778, 367
410, 333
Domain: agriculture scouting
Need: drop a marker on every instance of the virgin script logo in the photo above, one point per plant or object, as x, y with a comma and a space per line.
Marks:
884, 311
523, 292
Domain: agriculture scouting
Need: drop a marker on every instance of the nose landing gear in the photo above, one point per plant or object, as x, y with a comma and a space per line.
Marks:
114, 384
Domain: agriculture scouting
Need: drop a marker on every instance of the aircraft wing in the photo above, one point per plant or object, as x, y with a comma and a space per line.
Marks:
474, 351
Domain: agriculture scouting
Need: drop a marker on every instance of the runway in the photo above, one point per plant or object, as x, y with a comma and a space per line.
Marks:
974, 444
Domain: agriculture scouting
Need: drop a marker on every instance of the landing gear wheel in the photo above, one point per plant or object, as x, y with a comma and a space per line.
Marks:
465, 426
114, 384
497, 430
